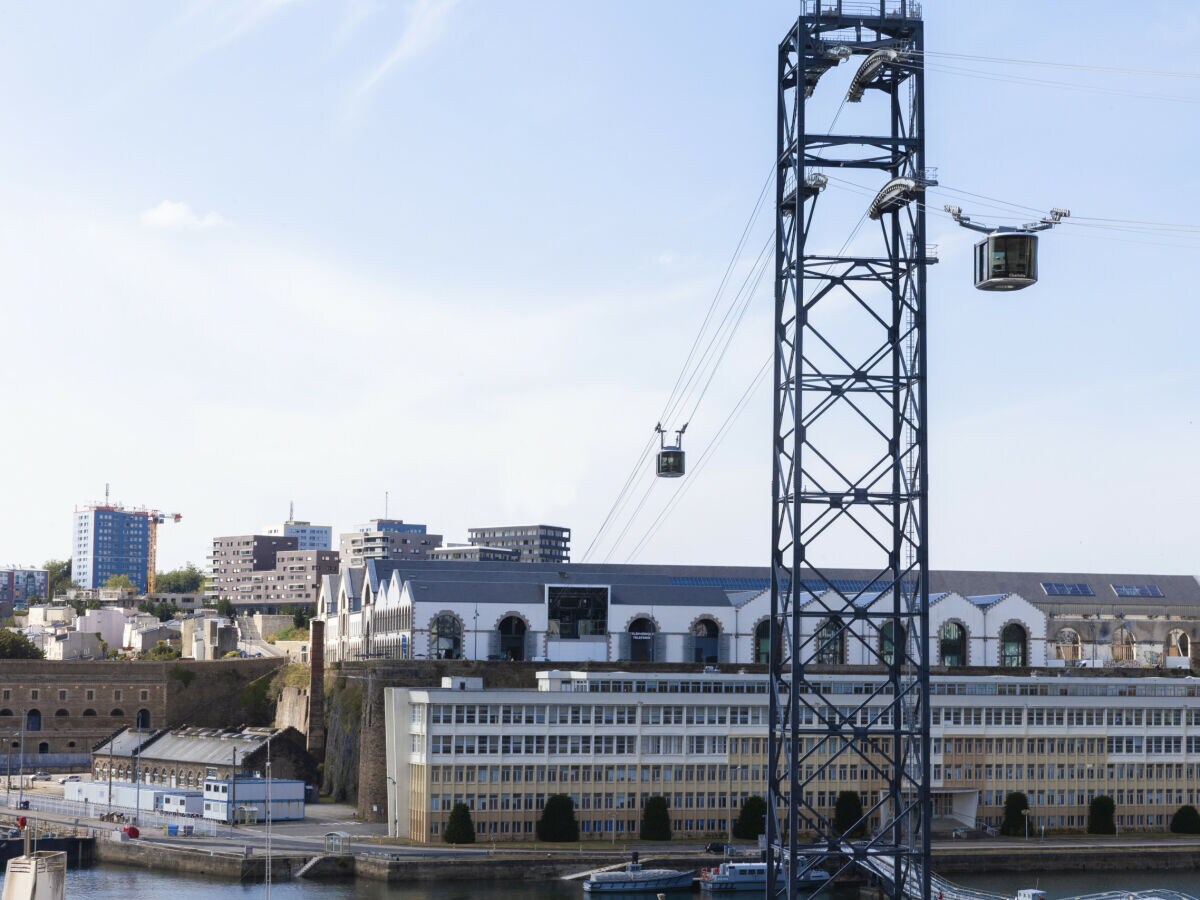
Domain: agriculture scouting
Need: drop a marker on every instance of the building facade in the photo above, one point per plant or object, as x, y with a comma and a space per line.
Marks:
535, 543
387, 539
308, 536
611, 740
110, 540
567, 613
20, 587
476, 554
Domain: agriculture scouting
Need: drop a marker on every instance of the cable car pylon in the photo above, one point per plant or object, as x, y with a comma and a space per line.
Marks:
1007, 259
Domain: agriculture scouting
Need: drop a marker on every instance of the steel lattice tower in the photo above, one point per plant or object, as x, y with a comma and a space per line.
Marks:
850, 466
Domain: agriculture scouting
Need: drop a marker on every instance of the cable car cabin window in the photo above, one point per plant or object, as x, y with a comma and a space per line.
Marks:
670, 463
1012, 256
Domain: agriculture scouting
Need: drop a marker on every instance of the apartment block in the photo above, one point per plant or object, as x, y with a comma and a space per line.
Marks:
535, 543
387, 539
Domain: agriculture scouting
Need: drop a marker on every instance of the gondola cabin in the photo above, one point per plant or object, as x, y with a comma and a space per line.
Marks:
1006, 261
670, 462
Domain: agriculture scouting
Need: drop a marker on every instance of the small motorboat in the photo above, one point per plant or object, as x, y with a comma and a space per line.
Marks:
750, 876
633, 879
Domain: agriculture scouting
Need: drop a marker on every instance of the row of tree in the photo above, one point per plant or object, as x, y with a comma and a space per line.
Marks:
557, 823
1102, 817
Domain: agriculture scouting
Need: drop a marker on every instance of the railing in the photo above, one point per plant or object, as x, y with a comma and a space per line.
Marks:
890, 9
145, 818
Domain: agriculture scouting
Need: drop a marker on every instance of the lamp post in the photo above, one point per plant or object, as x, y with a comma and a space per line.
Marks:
232, 791
392, 804
1025, 813
475, 652
21, 765
137, 791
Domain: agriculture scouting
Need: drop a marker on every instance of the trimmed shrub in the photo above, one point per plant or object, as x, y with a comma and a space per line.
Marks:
752, 819
1101, 819
557, 822
656, 820
1015, 805
846, 812
459, 827
1186, 820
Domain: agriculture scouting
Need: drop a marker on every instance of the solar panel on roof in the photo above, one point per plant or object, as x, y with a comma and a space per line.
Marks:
1067, 589
1137, 590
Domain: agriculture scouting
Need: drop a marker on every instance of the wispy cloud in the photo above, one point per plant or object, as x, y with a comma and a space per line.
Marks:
425, 25
175, 215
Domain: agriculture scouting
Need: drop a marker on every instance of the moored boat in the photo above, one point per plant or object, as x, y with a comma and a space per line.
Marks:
634, 879
36, 875
733, 876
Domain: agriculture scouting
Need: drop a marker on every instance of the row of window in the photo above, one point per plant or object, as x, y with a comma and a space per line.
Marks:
89, 694
33, 717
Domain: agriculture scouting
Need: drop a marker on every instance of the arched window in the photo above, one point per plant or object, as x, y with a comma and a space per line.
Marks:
887, 642
762, 642
831, 643
512, 638
61, 714
445, 637
1069, 646
952, 642
33, 720
117, 714
706, 637
143, 719
43, 747
1177, 644
5, 712
1013, 651
1124, 645
89, 712
641, 640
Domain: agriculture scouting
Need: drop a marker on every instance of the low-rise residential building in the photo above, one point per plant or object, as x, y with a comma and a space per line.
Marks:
65, 645
535, 543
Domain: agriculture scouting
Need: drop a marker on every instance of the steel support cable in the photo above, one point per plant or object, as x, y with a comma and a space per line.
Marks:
746, 292
1056, 65
722, 431
629, 522
761, 267
682, 378
1065, 85
614, 509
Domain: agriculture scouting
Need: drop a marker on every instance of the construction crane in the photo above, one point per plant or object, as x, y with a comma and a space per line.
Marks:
155, 517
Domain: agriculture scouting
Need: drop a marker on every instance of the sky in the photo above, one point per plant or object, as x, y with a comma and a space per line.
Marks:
455, 251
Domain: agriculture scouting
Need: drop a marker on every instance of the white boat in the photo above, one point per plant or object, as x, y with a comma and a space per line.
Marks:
750, 876
633, 879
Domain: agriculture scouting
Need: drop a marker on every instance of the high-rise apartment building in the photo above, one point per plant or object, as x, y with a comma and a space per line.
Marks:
110, 540
387, 539
308, 536
236, 558
19, 585
536, 543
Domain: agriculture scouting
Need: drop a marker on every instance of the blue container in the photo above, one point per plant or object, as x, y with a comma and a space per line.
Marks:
172, 830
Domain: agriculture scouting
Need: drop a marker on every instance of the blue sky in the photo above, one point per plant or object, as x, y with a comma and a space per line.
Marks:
253, 252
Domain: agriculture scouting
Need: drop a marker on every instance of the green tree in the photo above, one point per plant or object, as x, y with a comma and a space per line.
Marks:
1186, 820
180, 581
847, 810
1101, 818
1015, 805
160, 651
14, 645
752, 819
120, 582
59, 580
656, 820
225, 607
459, 827
557, 821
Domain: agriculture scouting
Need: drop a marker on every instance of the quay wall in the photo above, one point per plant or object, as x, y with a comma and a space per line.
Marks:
191, 861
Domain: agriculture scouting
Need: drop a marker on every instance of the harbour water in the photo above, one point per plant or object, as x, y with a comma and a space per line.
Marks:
109, 883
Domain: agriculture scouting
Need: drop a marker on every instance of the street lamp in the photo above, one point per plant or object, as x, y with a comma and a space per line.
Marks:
1025, 813
392, 804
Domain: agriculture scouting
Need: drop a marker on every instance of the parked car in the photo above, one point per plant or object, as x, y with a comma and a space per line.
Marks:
69, 779
718, 848
40, 776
